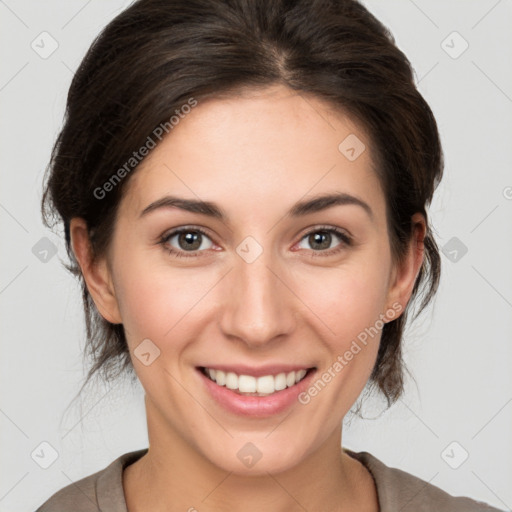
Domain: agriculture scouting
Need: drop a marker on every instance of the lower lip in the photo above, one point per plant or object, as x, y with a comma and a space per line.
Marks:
260, 406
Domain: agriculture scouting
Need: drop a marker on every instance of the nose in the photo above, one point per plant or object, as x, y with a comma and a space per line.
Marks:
258, 305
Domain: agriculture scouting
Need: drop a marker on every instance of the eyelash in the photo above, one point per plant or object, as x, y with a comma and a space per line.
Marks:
346, 241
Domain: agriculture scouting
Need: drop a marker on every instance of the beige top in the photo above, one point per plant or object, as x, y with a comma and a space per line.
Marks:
397, 490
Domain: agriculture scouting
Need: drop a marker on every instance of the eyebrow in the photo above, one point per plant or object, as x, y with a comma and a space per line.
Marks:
299, 209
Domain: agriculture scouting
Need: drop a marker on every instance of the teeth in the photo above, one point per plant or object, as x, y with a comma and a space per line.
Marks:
259, 386
298, 375
219, 377
280, 381
231, 380
246, 384
264, 384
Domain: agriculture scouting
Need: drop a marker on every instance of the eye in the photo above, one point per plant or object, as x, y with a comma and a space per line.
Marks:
186, 240
321, 240
191, 241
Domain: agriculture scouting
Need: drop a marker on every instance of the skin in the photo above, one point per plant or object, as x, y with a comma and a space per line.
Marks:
255, 155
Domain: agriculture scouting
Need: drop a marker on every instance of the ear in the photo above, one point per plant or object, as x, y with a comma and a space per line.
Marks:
96, 274
403, 276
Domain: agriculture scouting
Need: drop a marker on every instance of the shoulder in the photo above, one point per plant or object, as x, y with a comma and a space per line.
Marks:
102, 490
399, 490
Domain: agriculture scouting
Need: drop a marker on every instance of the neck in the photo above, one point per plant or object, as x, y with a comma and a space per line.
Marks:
175, 476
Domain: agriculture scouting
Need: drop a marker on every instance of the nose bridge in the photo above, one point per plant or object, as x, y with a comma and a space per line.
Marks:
258, 306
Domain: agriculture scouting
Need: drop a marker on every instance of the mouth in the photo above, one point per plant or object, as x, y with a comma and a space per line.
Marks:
256, 392
252, 385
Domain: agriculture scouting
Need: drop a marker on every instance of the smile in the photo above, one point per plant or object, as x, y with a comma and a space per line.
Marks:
255, 386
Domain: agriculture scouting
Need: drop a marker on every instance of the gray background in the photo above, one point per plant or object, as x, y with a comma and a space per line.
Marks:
460, 352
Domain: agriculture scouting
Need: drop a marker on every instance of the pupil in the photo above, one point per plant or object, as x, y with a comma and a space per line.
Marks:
190, 238
317, 239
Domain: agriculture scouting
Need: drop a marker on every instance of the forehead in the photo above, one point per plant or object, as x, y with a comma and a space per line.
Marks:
261, 147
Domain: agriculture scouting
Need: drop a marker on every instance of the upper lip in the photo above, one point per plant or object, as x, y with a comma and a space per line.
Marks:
258, 371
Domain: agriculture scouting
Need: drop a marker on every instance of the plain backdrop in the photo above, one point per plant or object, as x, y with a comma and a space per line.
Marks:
452, 427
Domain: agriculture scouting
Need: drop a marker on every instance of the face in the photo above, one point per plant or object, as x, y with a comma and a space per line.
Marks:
267, 294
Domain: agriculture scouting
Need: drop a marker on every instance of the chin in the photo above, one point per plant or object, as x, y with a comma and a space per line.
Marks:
256, 458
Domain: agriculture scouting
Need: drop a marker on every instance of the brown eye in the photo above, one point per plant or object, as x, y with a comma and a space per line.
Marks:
189, 241
186, 240
322, 240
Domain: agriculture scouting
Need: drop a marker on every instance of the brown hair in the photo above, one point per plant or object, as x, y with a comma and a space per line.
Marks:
157, 54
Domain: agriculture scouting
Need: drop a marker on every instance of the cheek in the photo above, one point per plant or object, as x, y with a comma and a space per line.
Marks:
346, 299
145, 309
158, 302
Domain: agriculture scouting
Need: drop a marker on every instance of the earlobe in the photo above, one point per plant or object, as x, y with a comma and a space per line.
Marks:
96, 273
404, 275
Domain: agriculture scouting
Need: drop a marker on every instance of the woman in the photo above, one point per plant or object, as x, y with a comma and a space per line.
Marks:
243, 186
